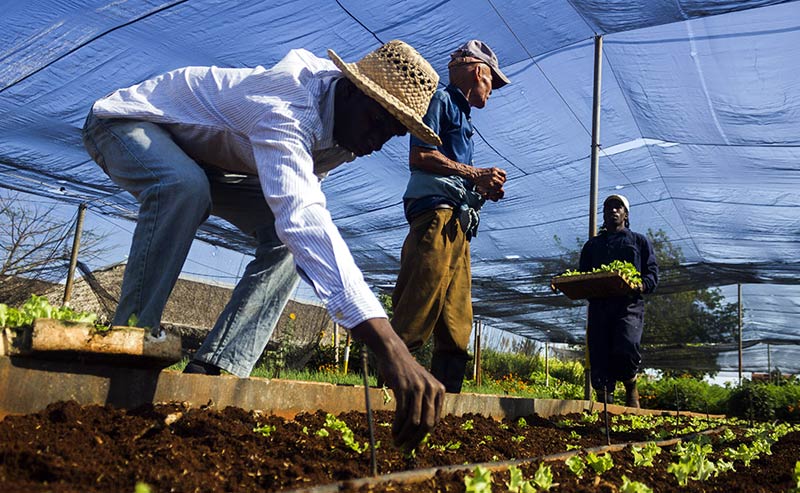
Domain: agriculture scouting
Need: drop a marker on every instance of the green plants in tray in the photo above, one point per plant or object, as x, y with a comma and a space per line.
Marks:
617, 278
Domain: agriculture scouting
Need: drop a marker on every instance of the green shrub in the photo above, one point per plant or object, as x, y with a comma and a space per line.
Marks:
754, 401
567, 371
684, 394
496, 365
751, 401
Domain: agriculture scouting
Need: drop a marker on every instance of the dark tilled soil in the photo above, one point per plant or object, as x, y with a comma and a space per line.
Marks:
72, 448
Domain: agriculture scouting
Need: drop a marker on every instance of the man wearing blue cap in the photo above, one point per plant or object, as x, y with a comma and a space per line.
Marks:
444, 194
616, 323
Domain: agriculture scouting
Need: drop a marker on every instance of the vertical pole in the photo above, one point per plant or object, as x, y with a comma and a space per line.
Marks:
475, 351
478, 379
546, 363
336, 344
347, 351
769, 364
365, 368
73, 259
739, 289
598, 67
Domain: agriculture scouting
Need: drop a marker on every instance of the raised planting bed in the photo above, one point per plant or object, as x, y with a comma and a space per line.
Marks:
73, 448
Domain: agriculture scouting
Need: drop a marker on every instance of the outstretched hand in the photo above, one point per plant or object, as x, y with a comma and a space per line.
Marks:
418, 394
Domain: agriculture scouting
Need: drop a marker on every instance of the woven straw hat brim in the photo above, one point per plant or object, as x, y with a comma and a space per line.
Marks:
397, 108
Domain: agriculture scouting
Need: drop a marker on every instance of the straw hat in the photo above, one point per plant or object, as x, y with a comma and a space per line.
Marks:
397, 77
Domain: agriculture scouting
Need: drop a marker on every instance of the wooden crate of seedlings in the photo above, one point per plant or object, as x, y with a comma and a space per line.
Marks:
593, 285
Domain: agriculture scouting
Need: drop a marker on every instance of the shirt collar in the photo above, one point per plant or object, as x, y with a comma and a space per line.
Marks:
458, 98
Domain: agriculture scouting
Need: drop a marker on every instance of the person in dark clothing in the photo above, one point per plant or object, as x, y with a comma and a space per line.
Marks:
615, 324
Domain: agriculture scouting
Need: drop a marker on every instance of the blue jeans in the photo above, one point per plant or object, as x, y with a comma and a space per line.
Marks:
176, 195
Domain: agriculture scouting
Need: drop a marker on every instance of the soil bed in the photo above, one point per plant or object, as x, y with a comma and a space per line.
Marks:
72, 448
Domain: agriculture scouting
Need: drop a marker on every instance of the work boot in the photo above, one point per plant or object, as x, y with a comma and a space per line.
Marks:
631, 394
201, 368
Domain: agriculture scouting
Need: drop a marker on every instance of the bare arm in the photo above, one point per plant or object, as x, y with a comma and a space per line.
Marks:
489, 181
419, 395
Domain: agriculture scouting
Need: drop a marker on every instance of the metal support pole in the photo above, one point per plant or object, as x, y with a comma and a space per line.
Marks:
739, 289
347, 351
595, 171
478, 379
475, 351
336, 344
546, 363
73, 259
769, 363
365, 368
598, 67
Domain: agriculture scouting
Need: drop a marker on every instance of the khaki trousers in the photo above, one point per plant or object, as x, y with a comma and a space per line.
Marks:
433, 291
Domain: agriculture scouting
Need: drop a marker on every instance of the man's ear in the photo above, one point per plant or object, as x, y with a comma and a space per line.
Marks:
478, 73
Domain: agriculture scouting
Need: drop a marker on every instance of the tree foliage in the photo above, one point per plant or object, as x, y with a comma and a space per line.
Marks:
35, 247
690, 317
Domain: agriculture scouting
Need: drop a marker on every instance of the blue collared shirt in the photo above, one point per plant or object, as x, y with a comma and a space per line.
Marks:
449, 116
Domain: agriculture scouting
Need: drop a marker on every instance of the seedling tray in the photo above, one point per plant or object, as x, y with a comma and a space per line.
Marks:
51, 338
595, 285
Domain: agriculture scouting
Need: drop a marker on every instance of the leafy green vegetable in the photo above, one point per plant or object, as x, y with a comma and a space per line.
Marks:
348, 437
629, 486
518, 484
599, 464
543, 477
38, 307
577, 465
796, 478
625, 269
142, 487
265, 430
480, 481
643, 456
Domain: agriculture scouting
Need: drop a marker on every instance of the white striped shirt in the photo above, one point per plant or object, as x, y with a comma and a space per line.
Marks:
272, 123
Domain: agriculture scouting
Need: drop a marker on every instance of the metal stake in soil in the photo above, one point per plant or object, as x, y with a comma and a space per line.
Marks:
365, 368
605, 412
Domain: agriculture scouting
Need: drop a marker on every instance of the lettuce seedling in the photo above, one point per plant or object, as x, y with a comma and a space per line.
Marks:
543, 477
480, 481
599, 464
517, 483
643, 456
629, 486
265, 430
576, 464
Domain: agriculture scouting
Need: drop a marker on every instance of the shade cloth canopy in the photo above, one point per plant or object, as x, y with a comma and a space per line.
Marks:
699, 128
